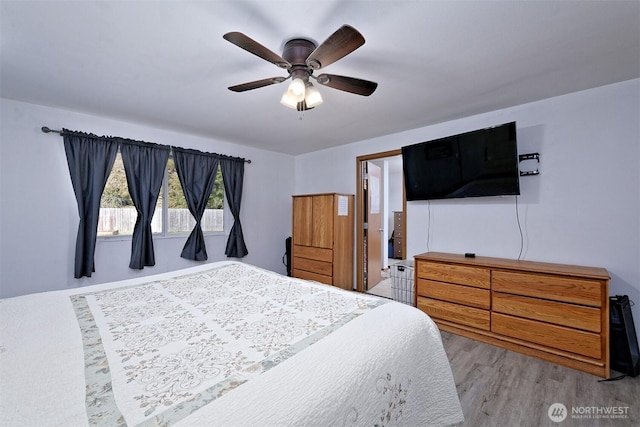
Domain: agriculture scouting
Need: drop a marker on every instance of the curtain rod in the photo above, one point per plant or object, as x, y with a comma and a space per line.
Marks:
45, 129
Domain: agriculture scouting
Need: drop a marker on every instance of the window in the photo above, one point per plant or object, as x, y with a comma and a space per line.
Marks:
180, 219
118, 214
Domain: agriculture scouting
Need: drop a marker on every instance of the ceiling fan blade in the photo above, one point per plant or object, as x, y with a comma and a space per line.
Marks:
348, 84
257, 84
339, 44
250, 45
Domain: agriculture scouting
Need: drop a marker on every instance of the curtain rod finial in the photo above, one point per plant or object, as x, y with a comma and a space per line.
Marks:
45, 129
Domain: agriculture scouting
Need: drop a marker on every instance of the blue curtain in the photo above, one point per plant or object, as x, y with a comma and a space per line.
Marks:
144, 165
90, 160
197, 174
233, 177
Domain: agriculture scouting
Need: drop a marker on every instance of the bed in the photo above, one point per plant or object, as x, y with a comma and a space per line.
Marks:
220, 344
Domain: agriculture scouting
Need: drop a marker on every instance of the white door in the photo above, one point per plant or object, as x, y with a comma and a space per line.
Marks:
373, 231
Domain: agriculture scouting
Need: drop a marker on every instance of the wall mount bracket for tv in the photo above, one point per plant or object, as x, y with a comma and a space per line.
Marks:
529, 156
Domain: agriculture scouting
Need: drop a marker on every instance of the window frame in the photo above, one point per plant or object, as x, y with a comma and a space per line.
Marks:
164, 234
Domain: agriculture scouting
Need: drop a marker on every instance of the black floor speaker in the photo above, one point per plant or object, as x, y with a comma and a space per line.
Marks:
623, 342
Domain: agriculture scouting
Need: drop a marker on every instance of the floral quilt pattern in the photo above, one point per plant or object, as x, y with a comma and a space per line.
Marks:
156, 352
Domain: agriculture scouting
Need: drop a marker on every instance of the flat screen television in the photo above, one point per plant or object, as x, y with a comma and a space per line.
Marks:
479, 163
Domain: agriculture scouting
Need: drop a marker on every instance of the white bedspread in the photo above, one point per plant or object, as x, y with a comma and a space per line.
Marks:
222, 344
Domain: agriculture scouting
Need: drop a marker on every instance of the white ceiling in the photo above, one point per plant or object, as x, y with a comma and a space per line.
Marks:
165, 63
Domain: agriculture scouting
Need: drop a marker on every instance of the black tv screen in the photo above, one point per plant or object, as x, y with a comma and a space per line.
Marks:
479, 163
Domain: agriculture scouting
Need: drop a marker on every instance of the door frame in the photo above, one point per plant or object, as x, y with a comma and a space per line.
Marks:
360, 203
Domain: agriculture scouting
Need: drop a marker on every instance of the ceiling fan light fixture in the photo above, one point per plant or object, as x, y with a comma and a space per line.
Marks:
295, 94
297, 88
289, 101
312, 97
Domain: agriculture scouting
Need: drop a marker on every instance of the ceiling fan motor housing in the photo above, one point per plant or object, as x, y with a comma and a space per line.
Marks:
296, 52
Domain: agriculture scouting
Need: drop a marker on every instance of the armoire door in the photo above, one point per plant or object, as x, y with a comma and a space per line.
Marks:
322, 221
303, 221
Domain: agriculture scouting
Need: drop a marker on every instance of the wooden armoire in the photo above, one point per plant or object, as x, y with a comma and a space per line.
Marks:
322, 238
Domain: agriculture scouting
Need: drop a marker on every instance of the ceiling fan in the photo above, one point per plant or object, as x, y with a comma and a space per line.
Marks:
301, 57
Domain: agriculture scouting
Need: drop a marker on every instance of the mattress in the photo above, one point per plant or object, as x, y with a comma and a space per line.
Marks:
224, 344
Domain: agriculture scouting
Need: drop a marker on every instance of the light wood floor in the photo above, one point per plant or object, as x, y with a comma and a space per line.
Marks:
382, 289
502, 388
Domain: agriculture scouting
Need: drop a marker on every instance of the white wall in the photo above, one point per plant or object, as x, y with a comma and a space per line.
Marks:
38, 213
583, 208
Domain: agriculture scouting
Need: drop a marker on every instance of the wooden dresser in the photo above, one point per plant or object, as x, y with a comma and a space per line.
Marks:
398, 235
556, 312
322, 239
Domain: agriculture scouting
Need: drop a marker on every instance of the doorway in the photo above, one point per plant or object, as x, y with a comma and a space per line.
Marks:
372, 236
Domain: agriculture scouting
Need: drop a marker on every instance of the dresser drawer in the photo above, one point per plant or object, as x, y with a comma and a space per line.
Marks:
452, 273
308, 275
397, 220
313, 266
573, 290
559, 313
313, 252
397, 250
567, 339
455, 313
466, 295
